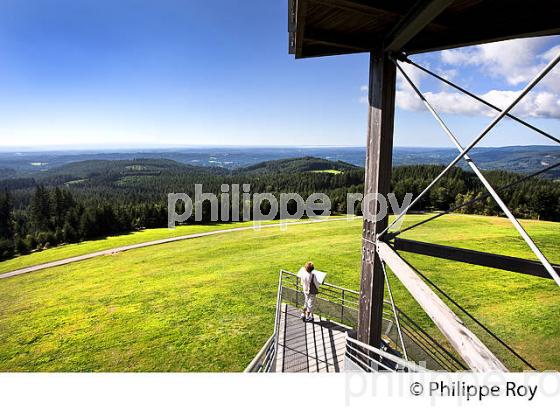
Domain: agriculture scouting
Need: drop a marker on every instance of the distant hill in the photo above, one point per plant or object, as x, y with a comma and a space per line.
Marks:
85, 169
104, 171
517, 159
297, 165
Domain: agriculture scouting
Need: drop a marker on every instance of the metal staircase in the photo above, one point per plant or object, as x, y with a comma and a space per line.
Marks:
328, 344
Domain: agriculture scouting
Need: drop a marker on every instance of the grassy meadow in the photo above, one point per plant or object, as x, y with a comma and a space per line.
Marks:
207, 304
328, 171
90, 246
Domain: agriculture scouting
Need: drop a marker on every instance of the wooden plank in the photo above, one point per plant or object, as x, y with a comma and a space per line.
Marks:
363, 7
292, 26
421, 29
490, 260
475, 354
382, 77
292, 16
347, 42
305, 39
420, 15
495, 21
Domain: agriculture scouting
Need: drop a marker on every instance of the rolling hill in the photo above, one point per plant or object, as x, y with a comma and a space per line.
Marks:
138, 166
298, 165
515, 158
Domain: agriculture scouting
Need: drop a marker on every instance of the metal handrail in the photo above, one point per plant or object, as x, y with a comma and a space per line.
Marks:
330, 285
265, 360
329, 288
370, 354
277, 317
415, 334
261, 361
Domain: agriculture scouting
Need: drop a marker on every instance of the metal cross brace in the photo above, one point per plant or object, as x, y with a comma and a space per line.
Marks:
393, 234
476, 97
463, 155
395, 313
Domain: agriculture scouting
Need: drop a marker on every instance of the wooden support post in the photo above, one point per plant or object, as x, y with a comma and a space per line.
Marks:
379, 152
477, 356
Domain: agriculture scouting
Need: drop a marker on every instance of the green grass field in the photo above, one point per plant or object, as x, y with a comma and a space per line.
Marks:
207, 304
82, 248
328, 171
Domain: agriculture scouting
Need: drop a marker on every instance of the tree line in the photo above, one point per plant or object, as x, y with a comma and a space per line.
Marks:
36, 216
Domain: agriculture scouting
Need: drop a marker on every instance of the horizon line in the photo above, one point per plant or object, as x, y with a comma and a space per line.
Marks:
92, 147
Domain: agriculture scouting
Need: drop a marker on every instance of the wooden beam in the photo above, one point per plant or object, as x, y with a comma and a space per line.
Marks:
345, 47
301, 10
292, 16
354, 43
292, 26
475, 354
421, 14
382, 77
495, 22
362, 7
323, 50
456, 38
490, 260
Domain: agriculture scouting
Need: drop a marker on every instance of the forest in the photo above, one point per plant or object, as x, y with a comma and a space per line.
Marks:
93, 199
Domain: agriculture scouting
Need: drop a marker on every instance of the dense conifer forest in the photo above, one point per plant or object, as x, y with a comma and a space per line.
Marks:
93, 199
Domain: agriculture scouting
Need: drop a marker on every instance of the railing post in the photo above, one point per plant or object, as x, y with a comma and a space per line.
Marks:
297, 291
277, 319
342, 307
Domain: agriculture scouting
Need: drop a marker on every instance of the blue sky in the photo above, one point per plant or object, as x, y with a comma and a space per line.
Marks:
149, 73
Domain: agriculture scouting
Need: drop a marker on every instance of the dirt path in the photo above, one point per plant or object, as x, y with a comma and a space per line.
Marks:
111, 251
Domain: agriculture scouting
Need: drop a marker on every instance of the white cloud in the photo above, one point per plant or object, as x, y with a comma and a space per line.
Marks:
553, 52
542, 104
448, 74
413, 73
515, 61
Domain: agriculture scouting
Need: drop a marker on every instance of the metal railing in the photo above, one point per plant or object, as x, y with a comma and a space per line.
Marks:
264, 360
341, 305
333, 302
362, 357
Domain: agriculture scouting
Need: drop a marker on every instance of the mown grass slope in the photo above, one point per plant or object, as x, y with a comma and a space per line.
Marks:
85, 247
207, 304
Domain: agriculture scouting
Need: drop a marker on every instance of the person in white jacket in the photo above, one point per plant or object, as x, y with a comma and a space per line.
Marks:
310, 286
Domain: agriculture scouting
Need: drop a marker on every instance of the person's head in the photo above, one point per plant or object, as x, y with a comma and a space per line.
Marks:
309, 267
